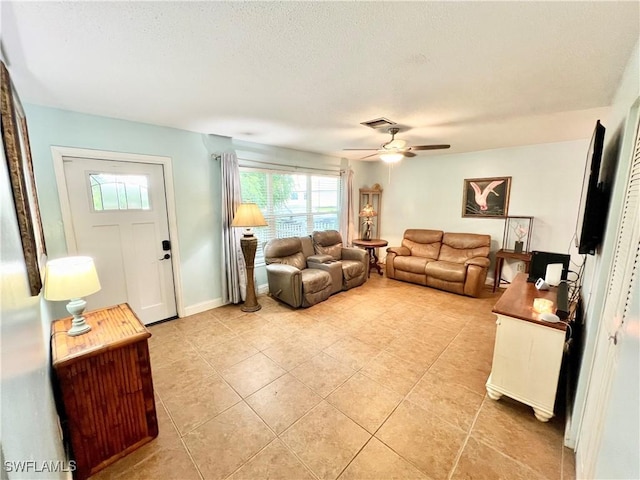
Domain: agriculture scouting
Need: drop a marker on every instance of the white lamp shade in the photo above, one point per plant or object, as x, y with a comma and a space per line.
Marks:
248, 215
70, 277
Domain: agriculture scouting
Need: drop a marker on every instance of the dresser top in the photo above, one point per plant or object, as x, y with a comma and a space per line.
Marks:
111, 328
517, 302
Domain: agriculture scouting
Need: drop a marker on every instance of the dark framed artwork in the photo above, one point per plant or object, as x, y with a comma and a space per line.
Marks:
15, 139
486, 197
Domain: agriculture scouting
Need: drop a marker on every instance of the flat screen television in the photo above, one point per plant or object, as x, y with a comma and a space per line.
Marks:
594, 199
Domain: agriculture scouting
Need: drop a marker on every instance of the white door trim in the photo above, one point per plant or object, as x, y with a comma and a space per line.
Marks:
65, 207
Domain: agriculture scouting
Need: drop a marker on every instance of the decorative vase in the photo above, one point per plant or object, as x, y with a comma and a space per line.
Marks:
518, 247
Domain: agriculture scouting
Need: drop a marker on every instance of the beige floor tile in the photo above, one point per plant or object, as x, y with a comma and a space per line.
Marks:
393, 372
427, 441
243, 323
228, 353
408, 348
321, 335
169, 464
252, 374
223, 444
291, 352
275, 462
227, 312
199, 402
176, 375
322, 373
213, 333
511, 428
446, 400
325, 440
169, 350
378, 336
458, 366
376, 461
282, 402
480, 462
364, 401
265, 336
351, 352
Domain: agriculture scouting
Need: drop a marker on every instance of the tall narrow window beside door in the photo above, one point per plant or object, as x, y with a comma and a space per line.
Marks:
293, 204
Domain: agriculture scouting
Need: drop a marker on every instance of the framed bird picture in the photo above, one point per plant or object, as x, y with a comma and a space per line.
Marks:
486, 197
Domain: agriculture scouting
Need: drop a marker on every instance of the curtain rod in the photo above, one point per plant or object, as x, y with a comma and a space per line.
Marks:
295, 167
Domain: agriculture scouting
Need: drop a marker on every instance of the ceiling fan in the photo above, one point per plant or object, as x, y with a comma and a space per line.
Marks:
394, 150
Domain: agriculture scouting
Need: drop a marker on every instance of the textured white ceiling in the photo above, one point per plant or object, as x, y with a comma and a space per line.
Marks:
477, 75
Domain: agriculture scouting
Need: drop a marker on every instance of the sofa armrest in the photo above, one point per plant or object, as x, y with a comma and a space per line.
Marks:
319, 259
358, 254
401, 251
479, 261
285, 283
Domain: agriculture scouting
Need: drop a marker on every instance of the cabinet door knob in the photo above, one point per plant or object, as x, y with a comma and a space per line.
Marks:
498, 322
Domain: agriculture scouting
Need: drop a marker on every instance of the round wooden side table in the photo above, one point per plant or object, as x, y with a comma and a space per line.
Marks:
370, 246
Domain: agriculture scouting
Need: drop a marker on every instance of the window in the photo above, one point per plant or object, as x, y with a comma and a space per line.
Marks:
119, 192
293, 204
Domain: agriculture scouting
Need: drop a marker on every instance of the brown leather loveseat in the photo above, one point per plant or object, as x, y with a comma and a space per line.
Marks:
455, 262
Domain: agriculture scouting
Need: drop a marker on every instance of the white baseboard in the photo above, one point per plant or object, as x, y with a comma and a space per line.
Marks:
216, 302
202, 306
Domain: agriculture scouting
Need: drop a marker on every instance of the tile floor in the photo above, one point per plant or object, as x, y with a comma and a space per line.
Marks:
385, 381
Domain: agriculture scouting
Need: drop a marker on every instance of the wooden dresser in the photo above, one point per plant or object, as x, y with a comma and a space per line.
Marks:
528, 351
104, 380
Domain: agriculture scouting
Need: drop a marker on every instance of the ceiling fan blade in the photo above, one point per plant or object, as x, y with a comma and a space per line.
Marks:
409, 154
362, 149
430, 147
369, 156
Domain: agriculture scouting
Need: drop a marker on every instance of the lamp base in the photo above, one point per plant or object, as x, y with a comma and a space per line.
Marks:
249, 245
78, 325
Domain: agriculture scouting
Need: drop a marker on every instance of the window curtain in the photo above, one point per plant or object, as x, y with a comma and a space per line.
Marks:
346, 216
234, 285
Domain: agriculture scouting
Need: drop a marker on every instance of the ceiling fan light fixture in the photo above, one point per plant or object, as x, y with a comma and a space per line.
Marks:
391, 157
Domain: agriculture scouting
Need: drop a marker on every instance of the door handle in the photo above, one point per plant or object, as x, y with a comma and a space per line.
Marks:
165, 257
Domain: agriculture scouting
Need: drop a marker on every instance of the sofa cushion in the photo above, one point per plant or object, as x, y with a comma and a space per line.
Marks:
458, 247
315, 280
287, 251
411, 264
448, 271
423, 243
352, 269
328, 242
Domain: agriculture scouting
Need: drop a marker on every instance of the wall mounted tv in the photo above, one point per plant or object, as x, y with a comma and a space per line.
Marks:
594, 200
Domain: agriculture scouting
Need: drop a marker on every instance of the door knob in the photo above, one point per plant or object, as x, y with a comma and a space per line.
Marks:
165, 257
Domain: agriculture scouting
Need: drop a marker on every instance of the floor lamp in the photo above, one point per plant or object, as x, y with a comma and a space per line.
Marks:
248, 215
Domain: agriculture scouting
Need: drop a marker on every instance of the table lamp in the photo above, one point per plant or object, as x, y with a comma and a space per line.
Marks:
72, 278
367, 212
248, 215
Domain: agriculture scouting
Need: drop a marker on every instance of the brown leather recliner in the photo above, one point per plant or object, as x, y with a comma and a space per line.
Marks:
455, 262
289, 276
354, 262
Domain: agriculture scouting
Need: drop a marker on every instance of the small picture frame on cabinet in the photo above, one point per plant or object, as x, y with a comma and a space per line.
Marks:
517, 234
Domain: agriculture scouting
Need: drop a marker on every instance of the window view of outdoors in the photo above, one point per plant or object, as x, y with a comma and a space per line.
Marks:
119, 192
292, 204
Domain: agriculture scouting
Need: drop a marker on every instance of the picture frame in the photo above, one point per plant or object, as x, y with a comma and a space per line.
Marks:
486, 197
17, 152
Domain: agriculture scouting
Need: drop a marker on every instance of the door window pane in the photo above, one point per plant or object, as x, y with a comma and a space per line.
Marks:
119, 192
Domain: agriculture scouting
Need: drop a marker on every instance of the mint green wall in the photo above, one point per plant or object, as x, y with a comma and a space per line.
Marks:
28, 418
196, 184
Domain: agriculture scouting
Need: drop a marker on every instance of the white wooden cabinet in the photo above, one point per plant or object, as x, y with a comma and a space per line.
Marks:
528, 352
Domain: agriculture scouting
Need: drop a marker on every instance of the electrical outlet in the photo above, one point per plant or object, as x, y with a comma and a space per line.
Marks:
520, 267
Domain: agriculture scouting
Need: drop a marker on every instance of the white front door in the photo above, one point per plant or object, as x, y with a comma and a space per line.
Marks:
119, 217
